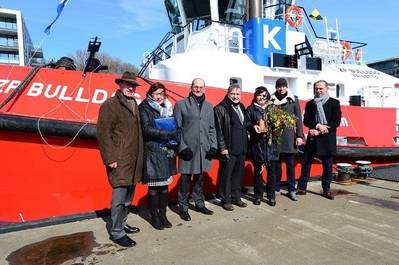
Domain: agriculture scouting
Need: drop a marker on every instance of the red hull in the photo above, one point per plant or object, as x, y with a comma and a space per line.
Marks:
38, 181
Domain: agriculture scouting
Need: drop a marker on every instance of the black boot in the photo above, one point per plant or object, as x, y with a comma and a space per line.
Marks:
163, 203
155, 220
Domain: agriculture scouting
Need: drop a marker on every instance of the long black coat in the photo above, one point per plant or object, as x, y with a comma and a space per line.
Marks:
287, 141
157, 166
325, 144
259, 150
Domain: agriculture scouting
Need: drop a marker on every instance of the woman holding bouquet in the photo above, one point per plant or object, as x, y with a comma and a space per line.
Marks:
261, 145
159, 153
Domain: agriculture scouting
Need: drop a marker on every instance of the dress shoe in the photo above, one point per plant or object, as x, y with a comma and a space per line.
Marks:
185, 216
204, 210
240, 204
271, 202
300, 192
292, 196
228, 207
125, 241
131, 229
257, 201
328, 195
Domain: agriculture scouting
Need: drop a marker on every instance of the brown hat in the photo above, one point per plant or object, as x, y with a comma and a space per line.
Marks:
129, 77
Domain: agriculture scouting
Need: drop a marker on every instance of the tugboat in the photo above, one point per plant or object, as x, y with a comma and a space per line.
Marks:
51, 168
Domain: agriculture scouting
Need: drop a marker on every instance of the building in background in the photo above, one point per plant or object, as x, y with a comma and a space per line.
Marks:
16, 46
389, 66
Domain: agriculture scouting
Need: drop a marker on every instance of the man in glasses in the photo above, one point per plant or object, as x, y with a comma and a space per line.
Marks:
120, 140
322, 117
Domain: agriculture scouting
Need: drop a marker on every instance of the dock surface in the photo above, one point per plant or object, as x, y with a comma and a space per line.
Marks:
361, 226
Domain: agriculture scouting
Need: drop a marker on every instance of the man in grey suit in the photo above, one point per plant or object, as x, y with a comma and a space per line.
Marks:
197, 135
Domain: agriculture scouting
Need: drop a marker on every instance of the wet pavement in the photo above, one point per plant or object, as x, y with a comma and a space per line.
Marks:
361, 226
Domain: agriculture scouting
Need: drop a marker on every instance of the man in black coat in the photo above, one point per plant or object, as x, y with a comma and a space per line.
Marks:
322, 117
231, 130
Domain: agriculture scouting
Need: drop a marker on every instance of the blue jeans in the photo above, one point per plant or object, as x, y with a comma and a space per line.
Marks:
327, 162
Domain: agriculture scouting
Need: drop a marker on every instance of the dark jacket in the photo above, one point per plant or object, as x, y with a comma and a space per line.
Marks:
325, 144
287, 141
224, 122
120, 140
259, 149
197, 132
157, 165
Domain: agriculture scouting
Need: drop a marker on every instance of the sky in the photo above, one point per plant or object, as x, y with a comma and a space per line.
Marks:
129, 28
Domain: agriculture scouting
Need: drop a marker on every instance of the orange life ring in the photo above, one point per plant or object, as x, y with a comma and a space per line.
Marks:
346, 50
298, 16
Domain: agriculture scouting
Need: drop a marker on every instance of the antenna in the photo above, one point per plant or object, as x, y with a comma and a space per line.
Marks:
93, 64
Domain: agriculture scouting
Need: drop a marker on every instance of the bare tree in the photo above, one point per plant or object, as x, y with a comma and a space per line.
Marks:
115, 65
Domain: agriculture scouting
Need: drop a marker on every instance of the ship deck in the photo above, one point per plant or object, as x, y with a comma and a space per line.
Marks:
359, 227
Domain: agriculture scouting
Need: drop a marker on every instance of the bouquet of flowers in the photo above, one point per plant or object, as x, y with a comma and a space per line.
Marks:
277, 120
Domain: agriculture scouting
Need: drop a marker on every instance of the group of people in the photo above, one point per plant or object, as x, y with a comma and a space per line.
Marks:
141, 143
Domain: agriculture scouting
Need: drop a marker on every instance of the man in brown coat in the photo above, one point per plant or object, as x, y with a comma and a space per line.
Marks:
121, 146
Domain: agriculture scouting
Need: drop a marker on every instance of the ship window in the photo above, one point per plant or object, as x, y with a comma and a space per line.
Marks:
310, 88
174, 15
340, 90
196, 9
232, 11
236, 80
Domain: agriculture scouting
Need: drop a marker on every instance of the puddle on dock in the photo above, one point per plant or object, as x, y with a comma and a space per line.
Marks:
79, 248
393, 205
389, 204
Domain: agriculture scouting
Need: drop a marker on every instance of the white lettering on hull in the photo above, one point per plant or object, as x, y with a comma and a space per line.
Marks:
61, 92
79, 97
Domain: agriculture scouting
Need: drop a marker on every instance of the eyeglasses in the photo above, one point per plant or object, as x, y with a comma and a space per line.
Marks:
161, 94
262, 95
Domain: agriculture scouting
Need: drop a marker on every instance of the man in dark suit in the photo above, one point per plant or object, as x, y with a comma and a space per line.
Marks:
322, 117
231, 129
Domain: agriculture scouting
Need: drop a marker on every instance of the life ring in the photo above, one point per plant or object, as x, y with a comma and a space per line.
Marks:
346, 50
297, 22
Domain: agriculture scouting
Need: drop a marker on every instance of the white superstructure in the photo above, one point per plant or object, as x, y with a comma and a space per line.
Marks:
212, 38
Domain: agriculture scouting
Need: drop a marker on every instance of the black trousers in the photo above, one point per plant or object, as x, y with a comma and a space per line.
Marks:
290, 167
270, 181
326, 178
230, 178
184, 191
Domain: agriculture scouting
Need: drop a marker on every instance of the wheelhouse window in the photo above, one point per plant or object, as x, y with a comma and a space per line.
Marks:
233, 11
198, 12
174, 15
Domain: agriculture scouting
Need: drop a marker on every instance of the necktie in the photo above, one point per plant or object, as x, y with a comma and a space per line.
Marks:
239, 113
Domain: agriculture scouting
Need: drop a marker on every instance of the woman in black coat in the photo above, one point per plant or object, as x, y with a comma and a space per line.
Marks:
159, 153
261, 148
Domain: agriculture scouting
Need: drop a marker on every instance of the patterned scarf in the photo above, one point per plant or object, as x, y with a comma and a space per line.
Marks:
165, 109
320, 115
